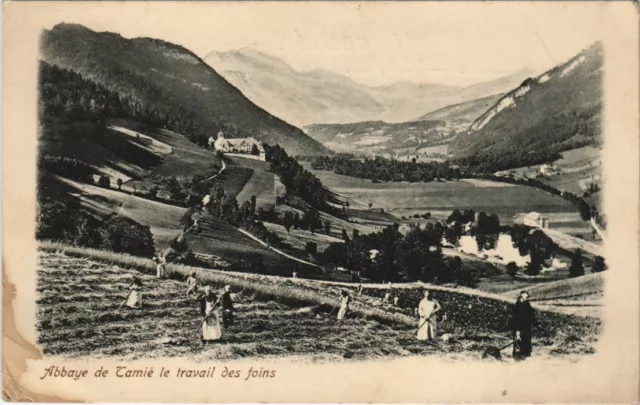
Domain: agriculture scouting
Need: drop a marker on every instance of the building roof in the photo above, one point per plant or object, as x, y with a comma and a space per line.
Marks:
534, 216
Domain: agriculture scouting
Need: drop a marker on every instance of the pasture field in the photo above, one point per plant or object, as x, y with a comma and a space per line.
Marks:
162, 219
297, 238
250, 163
233, 179
223, 240
79, 291
184, 160
442, 198
262, 186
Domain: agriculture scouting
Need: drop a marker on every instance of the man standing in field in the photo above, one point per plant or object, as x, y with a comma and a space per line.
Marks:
427, 326
523, 321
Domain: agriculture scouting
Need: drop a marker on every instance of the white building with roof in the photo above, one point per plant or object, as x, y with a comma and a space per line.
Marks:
532, 219
238, 145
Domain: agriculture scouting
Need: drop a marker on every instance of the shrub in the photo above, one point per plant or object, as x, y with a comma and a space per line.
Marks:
124, 235
311, 248
512, 269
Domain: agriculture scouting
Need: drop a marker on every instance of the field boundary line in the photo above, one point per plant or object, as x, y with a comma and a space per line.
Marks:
277, 250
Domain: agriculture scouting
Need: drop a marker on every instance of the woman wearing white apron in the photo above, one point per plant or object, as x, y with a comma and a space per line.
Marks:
211, 326
135, 296
427, 322
344, 305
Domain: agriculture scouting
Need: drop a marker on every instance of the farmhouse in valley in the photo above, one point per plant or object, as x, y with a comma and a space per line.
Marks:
532, 219
248, 146
548, 170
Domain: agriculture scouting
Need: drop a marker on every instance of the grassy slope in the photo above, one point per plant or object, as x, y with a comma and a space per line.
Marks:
276, 317
186, 158
161, 218
261, 184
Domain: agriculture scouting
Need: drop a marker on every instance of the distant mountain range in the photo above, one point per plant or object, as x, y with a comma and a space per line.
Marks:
468, 111
321, 96
554, 112
531, 123
169, 78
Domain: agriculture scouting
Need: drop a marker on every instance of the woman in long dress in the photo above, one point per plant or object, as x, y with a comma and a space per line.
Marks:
135, 295
211, 329
344, 305
427, 319
161, 270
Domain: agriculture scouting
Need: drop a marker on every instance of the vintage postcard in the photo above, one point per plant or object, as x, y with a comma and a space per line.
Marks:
336, 202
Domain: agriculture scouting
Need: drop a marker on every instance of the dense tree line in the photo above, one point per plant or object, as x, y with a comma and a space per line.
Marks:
417, 255
381, 169
489, 152
66, 96
298, 180
67, 167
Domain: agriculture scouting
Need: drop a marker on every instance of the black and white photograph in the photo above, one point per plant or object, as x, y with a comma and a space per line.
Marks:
340, 188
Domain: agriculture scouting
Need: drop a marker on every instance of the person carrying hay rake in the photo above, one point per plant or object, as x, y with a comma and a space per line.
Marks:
210, 325
192, 285
345, 299
161, 265
427, 326
523, 321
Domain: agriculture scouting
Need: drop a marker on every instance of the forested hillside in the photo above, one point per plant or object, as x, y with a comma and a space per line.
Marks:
170, 85
557, 111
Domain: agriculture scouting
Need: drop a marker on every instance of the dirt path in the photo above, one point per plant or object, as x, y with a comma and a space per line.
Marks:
224, 166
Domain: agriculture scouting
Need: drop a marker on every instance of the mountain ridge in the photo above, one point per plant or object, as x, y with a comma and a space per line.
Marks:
322, 96
555, 111
170, 77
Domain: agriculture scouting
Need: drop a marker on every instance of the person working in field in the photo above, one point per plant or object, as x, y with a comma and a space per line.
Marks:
395, 301
523, 321
359, 290
345, 299
211, 330
227, 307
192, 285
135, 295
387, 296
427, 326
161, 270
205, 202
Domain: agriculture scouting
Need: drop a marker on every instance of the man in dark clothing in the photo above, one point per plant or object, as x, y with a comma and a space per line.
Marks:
523, 321
227, 307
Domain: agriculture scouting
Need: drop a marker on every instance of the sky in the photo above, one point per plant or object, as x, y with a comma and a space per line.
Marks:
376, 43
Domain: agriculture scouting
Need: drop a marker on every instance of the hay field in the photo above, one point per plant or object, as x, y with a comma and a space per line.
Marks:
79, 291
